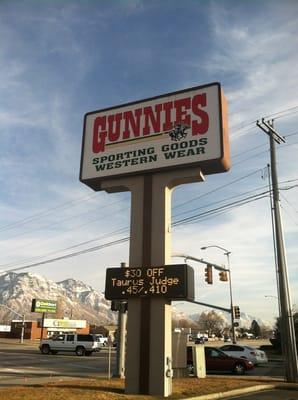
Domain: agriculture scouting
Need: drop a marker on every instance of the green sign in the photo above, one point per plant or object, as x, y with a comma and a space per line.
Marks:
44, 306
170, 281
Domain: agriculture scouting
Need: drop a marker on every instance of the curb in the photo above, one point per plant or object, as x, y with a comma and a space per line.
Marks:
247, 390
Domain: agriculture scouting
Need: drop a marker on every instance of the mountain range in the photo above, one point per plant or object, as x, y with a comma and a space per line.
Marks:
75, 299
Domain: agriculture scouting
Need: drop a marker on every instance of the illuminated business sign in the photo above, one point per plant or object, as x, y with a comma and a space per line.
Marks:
44, 306
170, 281
185, 128
64, 323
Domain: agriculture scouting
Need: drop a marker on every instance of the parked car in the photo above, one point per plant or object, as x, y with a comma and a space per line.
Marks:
103, 340
249, 353
218, 361
201, 340
227, 339
81, 344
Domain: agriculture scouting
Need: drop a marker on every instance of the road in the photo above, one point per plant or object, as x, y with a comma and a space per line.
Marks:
21, 363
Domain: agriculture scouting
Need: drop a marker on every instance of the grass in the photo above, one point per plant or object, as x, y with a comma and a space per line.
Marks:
103, 389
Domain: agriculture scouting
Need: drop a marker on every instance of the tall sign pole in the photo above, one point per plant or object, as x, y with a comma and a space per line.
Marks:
149, 326
287, 321
149, 147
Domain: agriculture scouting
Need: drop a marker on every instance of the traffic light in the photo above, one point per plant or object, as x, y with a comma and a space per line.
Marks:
223, 276
236, 312
208, 274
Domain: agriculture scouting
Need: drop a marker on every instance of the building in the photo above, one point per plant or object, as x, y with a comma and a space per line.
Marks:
34, 330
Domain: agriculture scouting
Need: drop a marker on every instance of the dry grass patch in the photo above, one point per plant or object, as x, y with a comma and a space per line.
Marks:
103, 389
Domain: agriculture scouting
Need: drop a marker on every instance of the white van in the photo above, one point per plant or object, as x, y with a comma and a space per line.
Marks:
81, 344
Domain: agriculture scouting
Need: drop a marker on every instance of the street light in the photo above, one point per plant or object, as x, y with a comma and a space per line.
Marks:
23, 320
227, 253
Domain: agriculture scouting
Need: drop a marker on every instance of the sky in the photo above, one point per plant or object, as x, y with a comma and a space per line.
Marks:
62, 59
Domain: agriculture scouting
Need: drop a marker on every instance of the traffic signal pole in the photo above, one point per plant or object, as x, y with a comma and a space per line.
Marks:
231, 299
287, 321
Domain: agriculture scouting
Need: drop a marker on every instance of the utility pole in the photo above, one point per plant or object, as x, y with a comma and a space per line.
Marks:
287, 322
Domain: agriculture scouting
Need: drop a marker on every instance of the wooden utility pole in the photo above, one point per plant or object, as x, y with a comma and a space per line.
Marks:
288, 339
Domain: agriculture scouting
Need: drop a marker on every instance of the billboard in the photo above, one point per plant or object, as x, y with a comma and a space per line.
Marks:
170, 281
174, 130
44, 306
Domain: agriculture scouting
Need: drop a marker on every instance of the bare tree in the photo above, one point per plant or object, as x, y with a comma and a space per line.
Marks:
211, 322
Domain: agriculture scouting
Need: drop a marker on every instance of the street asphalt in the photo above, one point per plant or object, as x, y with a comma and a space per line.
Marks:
278, 390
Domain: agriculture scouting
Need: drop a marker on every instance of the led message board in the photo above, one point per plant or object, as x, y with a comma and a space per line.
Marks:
44, 306
170, 281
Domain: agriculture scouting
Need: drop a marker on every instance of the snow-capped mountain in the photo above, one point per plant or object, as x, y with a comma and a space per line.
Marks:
75, 299
245, 319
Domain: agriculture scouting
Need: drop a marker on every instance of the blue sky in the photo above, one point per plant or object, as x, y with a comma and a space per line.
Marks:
61, 59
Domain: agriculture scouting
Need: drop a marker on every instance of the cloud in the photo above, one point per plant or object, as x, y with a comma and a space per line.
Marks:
258, 68
62, 60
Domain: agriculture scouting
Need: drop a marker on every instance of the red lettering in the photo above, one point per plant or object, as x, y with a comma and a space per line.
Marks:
114, 134
168, 120
99, 138
200, 128
132, 122
182, 106
153, 117
146, 121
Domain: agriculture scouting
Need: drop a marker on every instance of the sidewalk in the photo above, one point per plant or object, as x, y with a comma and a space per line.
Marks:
17, 342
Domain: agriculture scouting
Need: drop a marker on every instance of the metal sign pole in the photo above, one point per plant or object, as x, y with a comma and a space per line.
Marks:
149, 333
121, 338
42, 326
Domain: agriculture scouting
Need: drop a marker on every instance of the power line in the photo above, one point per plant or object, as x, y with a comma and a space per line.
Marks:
188, 220
119, 241
215, 210
218, 188
46, 212
100, 247
63, 220
117, 232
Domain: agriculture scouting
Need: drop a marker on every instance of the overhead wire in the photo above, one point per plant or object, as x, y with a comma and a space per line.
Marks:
105, 236
46, 212
63, 220
188, 220
29, 219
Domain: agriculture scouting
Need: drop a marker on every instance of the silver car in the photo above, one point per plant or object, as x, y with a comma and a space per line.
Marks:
249, 353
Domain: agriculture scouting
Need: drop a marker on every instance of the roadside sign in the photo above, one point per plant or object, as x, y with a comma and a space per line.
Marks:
44, 306
170, 281
174, 130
